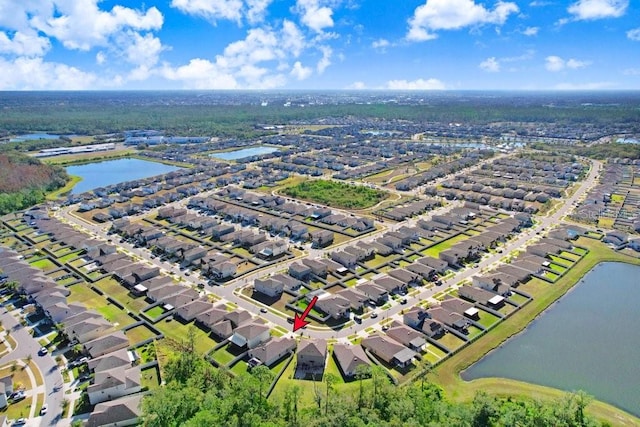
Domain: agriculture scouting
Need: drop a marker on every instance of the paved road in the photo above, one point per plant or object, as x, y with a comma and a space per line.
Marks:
28, 345
228, 292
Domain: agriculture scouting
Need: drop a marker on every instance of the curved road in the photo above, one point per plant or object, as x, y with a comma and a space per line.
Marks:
28, 345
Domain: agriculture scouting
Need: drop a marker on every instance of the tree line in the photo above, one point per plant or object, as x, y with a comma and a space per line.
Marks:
198, 395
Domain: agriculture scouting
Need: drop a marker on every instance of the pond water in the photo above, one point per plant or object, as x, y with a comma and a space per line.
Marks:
245, 152
33, 136
588, 340
109, 172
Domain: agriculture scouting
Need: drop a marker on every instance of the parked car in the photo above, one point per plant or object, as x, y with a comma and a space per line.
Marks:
44, 409
403, 301
43, 351
374, 315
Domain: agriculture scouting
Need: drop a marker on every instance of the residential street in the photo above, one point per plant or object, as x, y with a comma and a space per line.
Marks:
53, 389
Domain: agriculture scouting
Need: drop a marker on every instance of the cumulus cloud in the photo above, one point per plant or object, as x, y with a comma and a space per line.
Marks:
233, 10
35, 74
531, 31
419, 84
634, 34
490, 65
380, 44
598, 9
300, 72
82, 25
24, 43
315, 14
555, 63
259, 61
437, 15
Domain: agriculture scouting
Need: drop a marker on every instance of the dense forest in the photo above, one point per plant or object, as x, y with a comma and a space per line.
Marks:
236, 114
25, 180
197, 395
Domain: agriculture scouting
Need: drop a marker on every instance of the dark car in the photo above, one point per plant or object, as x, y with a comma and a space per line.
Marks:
403, 301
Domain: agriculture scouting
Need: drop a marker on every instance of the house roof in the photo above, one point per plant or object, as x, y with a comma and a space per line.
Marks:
99, 346
273, 348
312, 348
109, 361
349, 357
116, 411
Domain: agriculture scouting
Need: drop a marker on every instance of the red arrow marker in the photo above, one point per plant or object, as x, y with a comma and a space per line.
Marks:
298, 320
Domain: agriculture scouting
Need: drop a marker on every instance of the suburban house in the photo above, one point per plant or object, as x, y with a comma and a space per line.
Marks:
110, 361
418, 318
121, 412
438, 265
389, 350
407, 337
269, 287
250, 335
88, 329
318, 268
106, 344
481, 296
349, 357
273, 350
299, 271
335, 306
191, 310
375, 293
312, 354
114, 383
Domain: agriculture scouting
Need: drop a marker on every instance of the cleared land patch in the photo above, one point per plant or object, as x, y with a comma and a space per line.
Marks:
336, 194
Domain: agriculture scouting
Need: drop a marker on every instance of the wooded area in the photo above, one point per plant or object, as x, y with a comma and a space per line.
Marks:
198, 395
25, 180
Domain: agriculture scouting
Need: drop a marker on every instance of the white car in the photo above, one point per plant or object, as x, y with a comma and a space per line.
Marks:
44, 409
43, 351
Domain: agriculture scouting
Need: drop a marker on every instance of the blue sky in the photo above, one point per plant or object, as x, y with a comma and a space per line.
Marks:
319, 44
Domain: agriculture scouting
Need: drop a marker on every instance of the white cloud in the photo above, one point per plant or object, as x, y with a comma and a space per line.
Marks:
575, 64
80, 24
531, 31
211, 10
419, 84
300, 72
631, 72
437, 15
598, 9
325, 61
292, 38
584, 86
101, 58
356, 86
634, 34
142, 50
256, 62
257, 10
555, 63
315, 14
490, 65
27, 43
380, 44
35, 74
201, 74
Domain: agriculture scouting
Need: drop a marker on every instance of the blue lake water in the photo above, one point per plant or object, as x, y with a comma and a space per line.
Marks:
588, 340
33, 136
245, 152
109, 172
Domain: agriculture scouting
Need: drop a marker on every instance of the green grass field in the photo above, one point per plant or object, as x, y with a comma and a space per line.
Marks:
435, 250
336, 194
